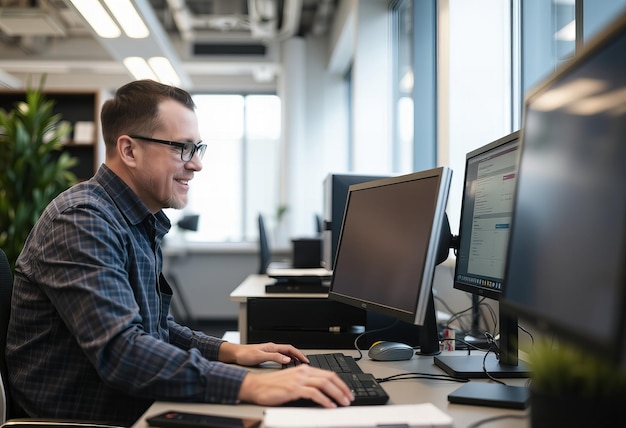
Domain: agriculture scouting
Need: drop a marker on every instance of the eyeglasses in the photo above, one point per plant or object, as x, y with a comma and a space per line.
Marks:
187, 150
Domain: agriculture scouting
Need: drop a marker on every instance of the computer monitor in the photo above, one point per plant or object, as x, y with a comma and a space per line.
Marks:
388, 248
336, 188
565, 270
485, 224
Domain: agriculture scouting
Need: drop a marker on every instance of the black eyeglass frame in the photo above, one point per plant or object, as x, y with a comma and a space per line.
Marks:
195, 147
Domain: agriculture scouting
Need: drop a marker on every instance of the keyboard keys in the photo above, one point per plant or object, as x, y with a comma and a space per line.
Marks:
365, 388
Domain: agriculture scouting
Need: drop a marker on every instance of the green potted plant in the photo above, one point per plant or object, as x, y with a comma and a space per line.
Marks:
572, 387
33, 170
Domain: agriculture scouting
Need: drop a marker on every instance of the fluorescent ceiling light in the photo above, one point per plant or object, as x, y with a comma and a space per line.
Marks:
98, 18
156, 68
164, 70
128, 17
139, 68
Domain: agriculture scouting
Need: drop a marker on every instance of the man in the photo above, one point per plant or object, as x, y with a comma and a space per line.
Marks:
90, 336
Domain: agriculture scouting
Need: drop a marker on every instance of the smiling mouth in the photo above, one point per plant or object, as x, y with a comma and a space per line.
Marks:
185, 182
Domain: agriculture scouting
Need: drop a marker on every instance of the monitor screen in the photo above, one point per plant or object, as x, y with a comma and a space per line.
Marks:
565, 268
388, 245
486, 210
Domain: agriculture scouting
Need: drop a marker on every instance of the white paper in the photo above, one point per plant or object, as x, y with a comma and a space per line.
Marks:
409, 415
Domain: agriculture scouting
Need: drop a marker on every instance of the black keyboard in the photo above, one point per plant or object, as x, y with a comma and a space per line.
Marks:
335, 362
366, 390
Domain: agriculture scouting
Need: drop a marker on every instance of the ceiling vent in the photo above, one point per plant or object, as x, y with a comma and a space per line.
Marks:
221, 49
29, 22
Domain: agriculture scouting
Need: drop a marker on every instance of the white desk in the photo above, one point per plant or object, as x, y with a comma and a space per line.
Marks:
253, 287
400, 392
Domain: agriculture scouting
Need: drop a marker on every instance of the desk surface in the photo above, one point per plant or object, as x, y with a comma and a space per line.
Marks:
400, 391
254, 286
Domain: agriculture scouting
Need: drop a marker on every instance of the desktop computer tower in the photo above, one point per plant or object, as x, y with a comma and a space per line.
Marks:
307, 323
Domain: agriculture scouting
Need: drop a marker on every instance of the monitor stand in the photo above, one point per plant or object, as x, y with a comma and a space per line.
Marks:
429, 333
471, 366
474, 366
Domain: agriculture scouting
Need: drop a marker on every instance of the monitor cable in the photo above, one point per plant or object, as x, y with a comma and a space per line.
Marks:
356, 339
417, 375
496, 418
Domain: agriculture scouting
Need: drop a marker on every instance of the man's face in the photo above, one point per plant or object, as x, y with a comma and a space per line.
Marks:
163, 177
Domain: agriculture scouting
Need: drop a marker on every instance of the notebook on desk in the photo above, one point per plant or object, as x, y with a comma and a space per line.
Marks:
298, 280
292, 272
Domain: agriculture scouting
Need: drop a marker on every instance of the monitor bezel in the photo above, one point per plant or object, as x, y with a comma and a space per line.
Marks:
417, 315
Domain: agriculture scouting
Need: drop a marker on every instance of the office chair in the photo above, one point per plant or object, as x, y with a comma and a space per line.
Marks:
264, 248
319, 225
8, 409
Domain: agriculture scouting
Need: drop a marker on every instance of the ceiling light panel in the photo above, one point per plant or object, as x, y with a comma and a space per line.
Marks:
128, 18
164, 70
98, 18
139, 68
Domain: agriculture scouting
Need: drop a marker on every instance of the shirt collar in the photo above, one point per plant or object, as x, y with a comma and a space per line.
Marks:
127, 201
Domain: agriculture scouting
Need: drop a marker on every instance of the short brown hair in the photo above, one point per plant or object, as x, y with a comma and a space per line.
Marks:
134, 109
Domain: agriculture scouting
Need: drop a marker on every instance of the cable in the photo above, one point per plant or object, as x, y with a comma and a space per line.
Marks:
493, 347
457, 316
356, 339
496, 418
417, 375
470, 346
443, 302
532, 339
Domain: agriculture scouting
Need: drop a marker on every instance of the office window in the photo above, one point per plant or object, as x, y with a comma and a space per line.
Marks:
548, 38
240, 171
414, 50
549, 33
403, 86
599, 13
475, 84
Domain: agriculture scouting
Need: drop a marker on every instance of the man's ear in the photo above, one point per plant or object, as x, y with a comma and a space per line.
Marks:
127, 150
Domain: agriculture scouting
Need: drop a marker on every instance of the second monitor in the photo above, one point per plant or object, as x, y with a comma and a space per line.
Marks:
486, 214
389, 248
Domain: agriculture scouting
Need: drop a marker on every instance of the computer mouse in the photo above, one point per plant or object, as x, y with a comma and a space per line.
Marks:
390, 351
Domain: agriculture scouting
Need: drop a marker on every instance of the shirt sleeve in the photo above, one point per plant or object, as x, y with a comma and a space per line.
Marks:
186, 338
100, 277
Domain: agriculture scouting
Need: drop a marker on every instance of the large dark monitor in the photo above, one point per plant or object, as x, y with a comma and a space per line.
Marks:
566, 269
485, 225
388, 248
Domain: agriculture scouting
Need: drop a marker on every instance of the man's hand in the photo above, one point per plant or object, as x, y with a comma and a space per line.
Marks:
281, 386
251, 355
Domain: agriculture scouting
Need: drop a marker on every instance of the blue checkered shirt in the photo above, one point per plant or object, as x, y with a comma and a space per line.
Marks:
90, 336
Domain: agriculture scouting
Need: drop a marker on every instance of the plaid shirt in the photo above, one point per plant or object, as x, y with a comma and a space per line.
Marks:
90, 336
